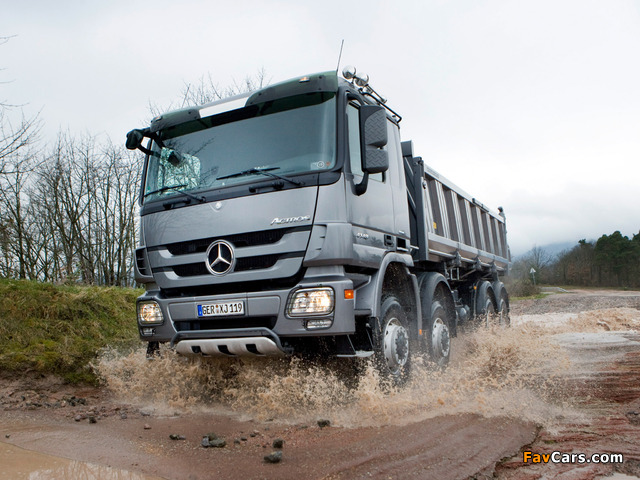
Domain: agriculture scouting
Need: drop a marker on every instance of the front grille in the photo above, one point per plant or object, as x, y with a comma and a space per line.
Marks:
225, 323
235, 287
242, 264
190, 269
250, 239
255, 263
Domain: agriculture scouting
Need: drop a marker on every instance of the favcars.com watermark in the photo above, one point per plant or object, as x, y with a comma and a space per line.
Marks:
561, 457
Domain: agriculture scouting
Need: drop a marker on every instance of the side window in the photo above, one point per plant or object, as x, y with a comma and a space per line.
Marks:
355, 153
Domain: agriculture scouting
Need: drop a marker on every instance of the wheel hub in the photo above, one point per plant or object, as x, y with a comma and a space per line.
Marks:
440, 339
396, 345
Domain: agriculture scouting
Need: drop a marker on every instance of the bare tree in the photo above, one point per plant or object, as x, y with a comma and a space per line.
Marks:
116, 211
85, 194
539, 258
207, 90
17, 141
14, 135
14, 138
68, 213
15, 214
63, 192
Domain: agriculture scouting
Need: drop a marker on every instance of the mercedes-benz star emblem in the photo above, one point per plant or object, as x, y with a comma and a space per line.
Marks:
220, 258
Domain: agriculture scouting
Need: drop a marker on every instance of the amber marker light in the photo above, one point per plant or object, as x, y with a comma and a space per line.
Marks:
349, 294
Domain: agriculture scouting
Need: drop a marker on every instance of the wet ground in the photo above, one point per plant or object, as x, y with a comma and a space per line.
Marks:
19, 463
564, 378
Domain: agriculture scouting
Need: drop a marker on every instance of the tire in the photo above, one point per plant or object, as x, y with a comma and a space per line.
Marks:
489, 313
503, 318
393, 343
153, 350
438, 337
485, 305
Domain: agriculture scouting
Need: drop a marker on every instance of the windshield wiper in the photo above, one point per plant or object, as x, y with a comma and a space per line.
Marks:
174, 187
262, 171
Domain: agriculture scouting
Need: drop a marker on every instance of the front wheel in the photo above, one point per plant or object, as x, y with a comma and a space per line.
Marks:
393, 352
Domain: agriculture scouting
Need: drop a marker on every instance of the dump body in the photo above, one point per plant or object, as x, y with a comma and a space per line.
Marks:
295, 220
448, 224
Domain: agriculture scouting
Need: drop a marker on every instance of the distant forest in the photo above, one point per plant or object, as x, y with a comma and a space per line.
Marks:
611, 261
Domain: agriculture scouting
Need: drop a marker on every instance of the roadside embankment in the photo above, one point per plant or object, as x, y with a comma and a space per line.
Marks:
59, 329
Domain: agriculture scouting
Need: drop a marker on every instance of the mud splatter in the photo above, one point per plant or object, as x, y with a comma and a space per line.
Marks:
515, 372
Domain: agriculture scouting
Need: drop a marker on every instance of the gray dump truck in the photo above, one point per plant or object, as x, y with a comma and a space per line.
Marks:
293, 220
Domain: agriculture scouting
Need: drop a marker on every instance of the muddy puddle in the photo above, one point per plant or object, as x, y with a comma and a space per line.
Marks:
20, 464
519, 372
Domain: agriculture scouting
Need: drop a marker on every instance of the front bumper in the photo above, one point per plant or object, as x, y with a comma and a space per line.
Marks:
263, 329
233, 342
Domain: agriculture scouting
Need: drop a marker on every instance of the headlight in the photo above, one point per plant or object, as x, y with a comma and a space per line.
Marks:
149, 313
311, 301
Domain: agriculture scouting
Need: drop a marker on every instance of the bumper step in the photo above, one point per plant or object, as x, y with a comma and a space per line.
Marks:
230, 347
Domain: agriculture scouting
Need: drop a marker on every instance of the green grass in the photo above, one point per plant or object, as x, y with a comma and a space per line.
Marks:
50, 329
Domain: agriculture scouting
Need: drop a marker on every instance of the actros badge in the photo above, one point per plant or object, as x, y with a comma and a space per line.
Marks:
280, 221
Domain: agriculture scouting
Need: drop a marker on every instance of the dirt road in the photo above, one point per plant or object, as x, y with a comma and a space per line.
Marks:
564, 378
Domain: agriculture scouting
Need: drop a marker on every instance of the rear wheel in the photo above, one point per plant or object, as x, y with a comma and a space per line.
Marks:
489, 316
503, 311
486, 307
393, 352
438, 336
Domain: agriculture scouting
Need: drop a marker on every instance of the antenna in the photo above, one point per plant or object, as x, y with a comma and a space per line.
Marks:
340, 56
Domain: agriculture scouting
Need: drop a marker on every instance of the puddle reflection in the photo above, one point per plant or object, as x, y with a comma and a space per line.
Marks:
20, 464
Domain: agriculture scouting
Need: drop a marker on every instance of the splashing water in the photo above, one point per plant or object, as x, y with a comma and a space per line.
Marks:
515, 372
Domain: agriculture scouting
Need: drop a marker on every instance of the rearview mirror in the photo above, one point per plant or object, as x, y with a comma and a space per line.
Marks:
134, 139
373, 130
373, 124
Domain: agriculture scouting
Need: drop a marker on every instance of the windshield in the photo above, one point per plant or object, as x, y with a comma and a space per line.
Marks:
275, 140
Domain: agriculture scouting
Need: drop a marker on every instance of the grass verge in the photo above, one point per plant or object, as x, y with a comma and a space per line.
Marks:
51, 329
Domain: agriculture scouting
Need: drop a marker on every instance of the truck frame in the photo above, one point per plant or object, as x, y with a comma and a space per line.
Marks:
293, 220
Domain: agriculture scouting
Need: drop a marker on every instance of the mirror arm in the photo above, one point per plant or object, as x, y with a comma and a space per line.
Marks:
144, 150
362, 186
156, 138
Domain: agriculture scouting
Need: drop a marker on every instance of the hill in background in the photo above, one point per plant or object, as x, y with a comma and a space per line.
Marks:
551, 249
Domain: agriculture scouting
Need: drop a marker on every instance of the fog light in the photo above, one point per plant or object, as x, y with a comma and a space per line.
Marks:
318, 323
311, 301
148, 331
149, 313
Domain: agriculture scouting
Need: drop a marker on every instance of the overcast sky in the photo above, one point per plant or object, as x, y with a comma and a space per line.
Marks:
530, 105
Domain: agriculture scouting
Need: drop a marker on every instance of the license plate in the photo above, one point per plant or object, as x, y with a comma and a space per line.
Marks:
221, 309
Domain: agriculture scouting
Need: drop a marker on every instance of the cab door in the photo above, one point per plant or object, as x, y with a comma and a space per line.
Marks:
372, 213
